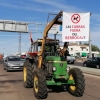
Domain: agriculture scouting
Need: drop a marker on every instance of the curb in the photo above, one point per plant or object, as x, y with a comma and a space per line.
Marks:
87, 71
91, 73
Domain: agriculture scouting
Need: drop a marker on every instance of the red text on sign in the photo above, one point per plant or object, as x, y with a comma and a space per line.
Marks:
74, 37
78, 26
75, 30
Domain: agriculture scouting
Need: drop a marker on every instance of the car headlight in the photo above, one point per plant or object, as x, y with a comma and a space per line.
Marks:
21, 64
54, 68
10, 64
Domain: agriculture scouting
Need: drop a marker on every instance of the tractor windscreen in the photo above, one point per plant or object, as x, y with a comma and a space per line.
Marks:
51, 47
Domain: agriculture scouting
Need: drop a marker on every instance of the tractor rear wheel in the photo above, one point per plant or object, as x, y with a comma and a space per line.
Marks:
78, 88
39, 84
28, 74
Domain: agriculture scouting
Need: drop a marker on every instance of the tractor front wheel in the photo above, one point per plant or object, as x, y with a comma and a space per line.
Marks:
39, 84
28, 74
78, 88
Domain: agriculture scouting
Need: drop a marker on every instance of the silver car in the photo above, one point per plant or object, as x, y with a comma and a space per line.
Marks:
13, 63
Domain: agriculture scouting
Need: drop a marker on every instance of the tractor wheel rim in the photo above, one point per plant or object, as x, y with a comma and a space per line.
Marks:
36, 84
25, 74
72, 87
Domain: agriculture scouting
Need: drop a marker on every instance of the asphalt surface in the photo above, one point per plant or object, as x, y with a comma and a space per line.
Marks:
77, 64
1, 61
11, 88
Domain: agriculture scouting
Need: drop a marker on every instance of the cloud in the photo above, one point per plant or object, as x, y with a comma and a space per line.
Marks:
95, 17
95, 23
34, 5
25, 7
12, 46
95, 35
17, 6
59, 5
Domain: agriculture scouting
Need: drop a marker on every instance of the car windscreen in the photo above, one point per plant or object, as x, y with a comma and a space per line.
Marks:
14, 58
23, 57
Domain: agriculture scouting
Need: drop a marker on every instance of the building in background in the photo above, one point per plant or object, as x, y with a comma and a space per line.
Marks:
81, 50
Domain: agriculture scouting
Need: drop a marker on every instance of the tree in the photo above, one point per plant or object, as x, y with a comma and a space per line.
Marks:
93, 47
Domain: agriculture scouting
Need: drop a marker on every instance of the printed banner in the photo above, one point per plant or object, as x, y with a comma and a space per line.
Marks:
75, 27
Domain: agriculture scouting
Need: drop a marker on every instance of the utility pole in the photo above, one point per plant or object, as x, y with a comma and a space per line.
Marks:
19, 49
90, 53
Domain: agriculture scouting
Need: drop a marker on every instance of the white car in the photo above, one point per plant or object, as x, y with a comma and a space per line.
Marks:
71, 59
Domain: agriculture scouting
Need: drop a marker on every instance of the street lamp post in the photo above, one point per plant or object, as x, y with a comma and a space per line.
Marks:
3, 51
90, 53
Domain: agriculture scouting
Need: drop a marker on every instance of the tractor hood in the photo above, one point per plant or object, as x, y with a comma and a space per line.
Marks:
55, 58
60, 65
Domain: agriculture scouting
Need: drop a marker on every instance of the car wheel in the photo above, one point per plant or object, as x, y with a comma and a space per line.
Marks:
84, 65
4, 67
7, 69
72, 62
97, 66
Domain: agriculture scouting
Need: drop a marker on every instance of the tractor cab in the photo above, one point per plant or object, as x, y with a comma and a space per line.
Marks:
50, 49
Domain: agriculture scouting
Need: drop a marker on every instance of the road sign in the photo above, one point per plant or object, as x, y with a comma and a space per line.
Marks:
13, 26
56, 29
75, 27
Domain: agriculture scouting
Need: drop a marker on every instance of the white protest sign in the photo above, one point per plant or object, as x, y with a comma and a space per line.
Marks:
75, 27
55, 29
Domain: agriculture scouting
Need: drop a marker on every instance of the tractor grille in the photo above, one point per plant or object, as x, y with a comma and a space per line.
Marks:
49, 67
61, 64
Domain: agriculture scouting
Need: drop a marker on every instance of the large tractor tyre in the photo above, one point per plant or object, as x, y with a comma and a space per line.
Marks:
7, 69
28, 74
39, 84
36, 60
78, 88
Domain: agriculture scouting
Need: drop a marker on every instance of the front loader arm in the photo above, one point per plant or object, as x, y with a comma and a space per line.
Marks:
48, 27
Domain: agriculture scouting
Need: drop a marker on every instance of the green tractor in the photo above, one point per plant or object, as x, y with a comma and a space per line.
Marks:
45, 68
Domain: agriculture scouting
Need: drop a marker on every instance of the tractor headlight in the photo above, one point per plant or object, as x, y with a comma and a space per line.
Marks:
67, 69
54, 68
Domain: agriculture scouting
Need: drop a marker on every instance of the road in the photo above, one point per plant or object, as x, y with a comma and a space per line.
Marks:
1, 61
77, 64
11, 88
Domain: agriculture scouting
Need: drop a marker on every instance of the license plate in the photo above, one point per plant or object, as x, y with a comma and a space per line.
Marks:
16, 67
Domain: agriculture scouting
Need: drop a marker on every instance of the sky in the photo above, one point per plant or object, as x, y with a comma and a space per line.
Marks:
36, 11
